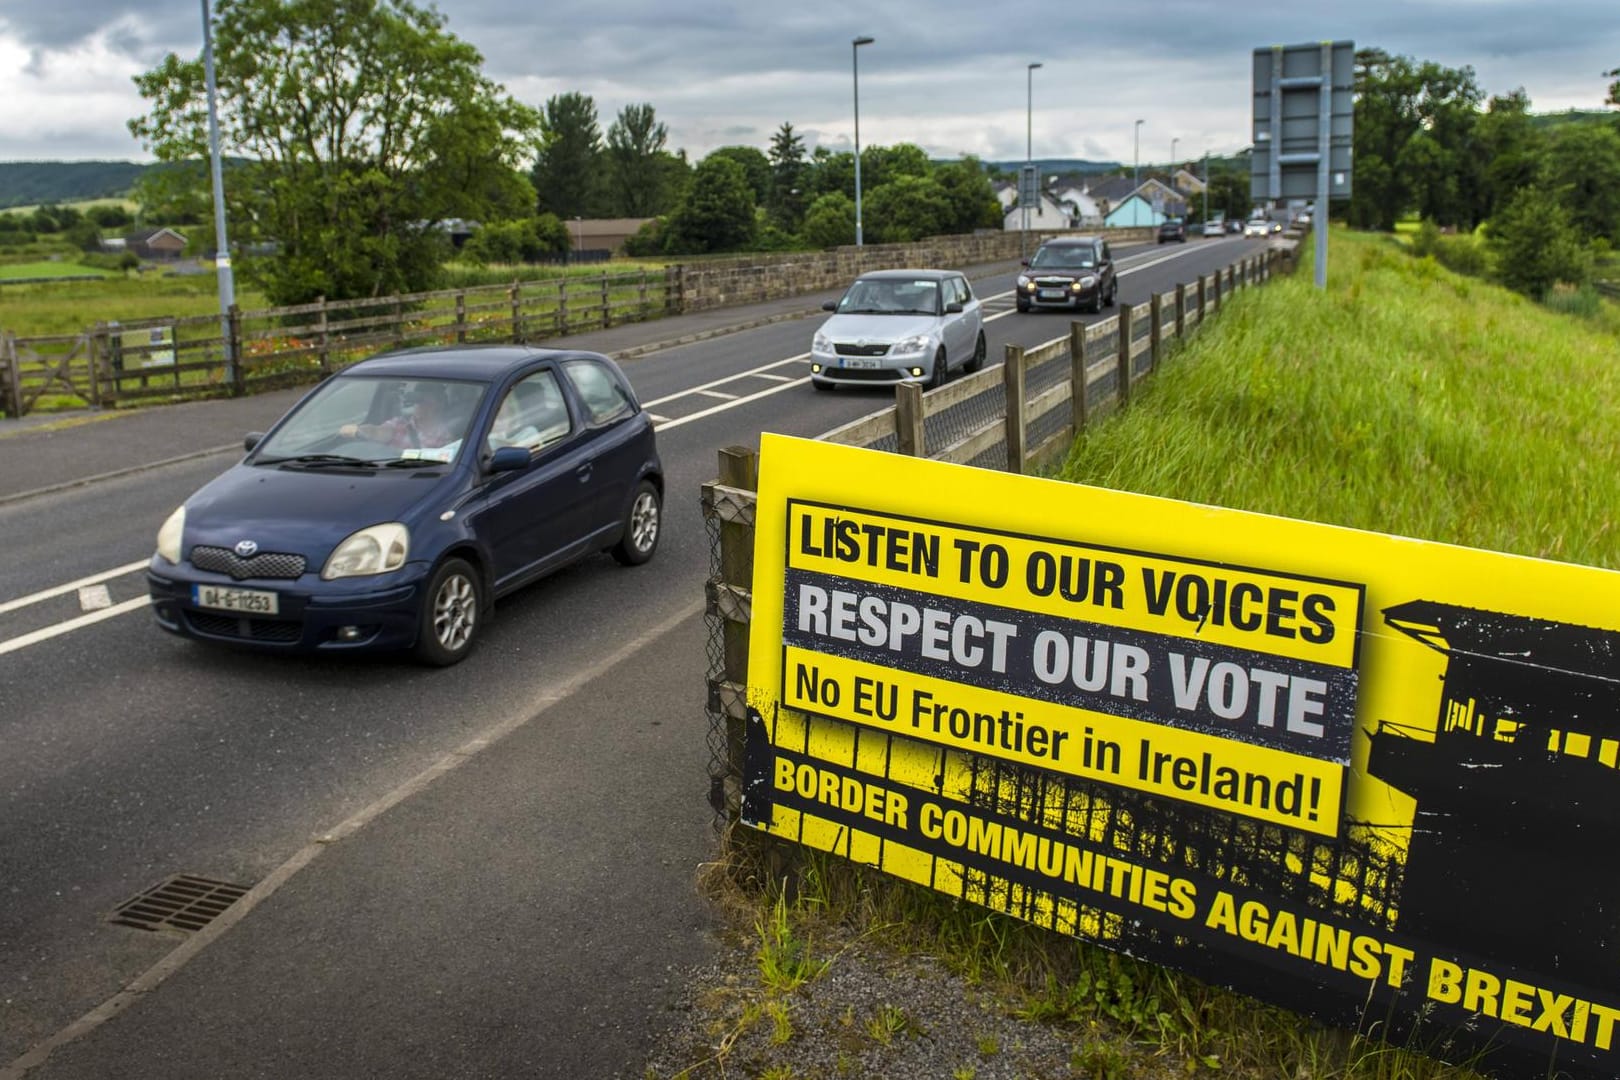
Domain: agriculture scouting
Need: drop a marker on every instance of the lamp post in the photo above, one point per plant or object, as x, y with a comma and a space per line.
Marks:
1029, 154
222, 245
1206, 187
1136, 167
855, 55
1173, 142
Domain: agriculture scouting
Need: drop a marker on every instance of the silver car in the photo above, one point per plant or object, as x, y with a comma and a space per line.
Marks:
895, 326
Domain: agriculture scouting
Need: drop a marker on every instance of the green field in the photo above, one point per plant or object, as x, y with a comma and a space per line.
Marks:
71, 307
1403, 399
48, 268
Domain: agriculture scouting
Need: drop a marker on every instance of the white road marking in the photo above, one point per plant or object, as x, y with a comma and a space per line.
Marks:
70, 625
721, 394
94, 598
72, 586
723, 406
655, 418
773, 378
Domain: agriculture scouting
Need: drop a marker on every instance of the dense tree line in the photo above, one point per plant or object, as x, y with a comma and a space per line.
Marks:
1427, 141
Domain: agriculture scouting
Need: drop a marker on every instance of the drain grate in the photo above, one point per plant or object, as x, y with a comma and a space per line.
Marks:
183, 902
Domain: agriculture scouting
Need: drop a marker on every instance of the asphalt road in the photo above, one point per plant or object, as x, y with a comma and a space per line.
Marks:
127, 756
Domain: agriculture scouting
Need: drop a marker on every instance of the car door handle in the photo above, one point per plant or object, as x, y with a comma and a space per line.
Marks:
584, 472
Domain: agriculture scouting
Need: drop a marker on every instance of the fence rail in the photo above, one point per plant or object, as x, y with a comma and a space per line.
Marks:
1013, 418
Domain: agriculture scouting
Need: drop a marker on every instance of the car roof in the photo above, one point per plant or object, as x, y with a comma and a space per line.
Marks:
909, 275
481, 363
1069, 241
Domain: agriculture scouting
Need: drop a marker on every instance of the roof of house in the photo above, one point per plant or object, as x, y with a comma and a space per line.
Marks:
146, 236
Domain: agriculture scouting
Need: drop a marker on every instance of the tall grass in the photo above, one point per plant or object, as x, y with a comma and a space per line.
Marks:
1404, 399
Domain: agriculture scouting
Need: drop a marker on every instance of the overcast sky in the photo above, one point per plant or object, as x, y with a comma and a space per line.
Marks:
948, 74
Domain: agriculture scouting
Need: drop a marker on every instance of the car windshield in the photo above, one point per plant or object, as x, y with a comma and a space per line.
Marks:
1064, 257
366, 421
891, 296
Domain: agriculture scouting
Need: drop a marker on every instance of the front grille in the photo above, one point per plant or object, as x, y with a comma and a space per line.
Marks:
845, 348
266, 564
865, 374
278, 631
1053, 283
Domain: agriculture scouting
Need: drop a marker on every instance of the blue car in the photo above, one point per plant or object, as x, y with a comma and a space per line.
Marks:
397, 500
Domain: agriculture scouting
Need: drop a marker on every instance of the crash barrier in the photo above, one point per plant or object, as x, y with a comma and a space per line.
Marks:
1012, 417
113, 363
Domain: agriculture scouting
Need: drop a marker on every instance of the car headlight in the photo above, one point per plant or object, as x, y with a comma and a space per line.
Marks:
1023, 281
169, 534
917, 343
821, 343
374, 550
1087, 282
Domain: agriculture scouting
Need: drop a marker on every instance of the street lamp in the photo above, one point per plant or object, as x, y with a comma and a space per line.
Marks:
855, 56
1136, 168
1029, 155
1173, 142
222, 244
1206, 187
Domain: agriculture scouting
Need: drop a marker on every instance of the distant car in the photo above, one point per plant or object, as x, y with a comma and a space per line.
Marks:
1070, 273
1257, 227
393, 503
899, 326
1173, 229
1276, 227
1234, 226
1214, 228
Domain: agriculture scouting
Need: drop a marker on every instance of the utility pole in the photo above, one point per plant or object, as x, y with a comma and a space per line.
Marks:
1029, 158
855, 54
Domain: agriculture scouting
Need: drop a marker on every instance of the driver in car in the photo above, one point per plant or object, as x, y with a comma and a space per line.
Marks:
423, 426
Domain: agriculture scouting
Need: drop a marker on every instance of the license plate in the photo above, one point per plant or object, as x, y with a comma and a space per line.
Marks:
861, 362
1051, 294
251, 601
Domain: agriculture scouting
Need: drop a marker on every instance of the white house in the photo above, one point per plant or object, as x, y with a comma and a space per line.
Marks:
1048, 213
1083, 207
1006, 193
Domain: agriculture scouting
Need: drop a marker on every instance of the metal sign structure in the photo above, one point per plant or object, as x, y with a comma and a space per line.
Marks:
1304, 111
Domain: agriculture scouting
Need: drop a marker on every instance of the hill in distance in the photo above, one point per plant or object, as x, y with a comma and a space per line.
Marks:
26, 183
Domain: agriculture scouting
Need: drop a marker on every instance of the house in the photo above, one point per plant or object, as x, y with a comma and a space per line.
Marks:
1187, 182
1083, 208
156, 244
1124, 204
1006, 192
1047, 213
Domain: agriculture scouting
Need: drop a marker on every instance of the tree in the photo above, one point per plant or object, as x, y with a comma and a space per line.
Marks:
832, 172
1534, 246
1398, 100
566, 173
1583, 172
517, 241
881, 164
789, 179
636, 175
973, 202
1614, 87
360, 126
1512, 149
830, 221
717, 213
756, 169
906, 208
1229, 193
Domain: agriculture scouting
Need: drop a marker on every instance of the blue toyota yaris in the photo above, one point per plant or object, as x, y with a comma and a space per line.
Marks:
393, 503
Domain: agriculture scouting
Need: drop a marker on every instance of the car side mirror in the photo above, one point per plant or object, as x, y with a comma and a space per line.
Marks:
830, 305
509, 459
1024, 263
252, 439
953, 308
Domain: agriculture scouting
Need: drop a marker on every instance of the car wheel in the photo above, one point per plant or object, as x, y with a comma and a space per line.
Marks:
643, 524
980, 350
936, 377
450, 609
1113, 293
1023, 307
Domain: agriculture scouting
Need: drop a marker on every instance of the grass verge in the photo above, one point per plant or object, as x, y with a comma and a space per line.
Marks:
1403, 398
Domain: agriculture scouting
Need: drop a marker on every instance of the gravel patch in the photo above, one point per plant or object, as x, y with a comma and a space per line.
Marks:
872, 1012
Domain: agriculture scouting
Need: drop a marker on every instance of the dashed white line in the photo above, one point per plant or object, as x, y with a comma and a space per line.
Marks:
773, 378
72, 586
721, 394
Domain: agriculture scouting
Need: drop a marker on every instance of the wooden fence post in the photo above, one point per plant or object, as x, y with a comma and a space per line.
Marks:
908, 420
672, 289
1127, 316
98, 355
739, 469
562, 307
517, 313
1079, 404
1181, 309
11, 400
233, 319
1156, 332
641, 296
325, 338
1203, 299
461, 316
607, 312
1013, 374
399, 320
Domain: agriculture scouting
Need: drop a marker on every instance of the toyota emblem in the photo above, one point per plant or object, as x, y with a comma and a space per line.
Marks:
246, 549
